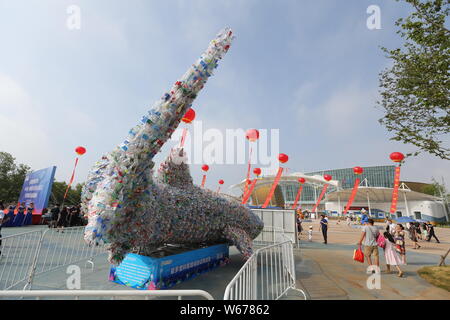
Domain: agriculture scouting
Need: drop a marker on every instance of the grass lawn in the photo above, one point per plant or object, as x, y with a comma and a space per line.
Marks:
438, 276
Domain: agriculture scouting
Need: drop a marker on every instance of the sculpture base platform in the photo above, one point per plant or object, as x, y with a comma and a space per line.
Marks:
161, 271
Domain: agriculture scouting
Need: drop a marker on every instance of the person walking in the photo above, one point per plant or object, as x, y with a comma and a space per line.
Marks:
349, 220
424, 231
299, 227
431, 233
324, 228
62, 219
413, 235
399, 237
390, 227
390, 254
54, 216
368, 238
364, 217
418, 231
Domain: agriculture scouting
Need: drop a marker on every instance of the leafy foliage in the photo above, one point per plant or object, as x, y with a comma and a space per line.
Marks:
434, 189
415, 91
73, 195
12, 176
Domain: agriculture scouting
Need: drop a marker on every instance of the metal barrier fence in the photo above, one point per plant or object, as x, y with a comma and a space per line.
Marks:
271, 235
28, 254
276, 222
17, 255
76, 294
267, 275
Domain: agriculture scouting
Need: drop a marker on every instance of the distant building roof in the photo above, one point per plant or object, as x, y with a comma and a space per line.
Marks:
377, 194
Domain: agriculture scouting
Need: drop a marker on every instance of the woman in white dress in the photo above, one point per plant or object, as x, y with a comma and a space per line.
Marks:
391, 255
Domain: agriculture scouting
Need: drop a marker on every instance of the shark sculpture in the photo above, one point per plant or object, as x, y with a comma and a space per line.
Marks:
127, 208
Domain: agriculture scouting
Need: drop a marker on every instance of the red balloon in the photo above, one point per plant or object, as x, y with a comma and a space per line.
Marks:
283, 158
252, 135
189, 116
205, 167
397, 156
358, 170
302, 180
80, 150
257, 171
327, 177
221, 182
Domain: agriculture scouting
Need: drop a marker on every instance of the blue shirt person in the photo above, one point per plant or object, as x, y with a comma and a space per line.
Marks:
324, 227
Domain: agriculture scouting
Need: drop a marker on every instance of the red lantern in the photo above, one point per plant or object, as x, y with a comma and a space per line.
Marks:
302, 180
358, 170
189, 116
252, 135
221, 182
80, 150
205, 167
327, 177
397, 156
257, 171
283, 158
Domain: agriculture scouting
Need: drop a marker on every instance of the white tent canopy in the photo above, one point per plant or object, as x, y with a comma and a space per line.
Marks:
292, 177
377, 194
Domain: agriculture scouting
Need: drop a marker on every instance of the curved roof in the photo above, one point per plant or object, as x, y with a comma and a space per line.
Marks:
292, 177
377, 194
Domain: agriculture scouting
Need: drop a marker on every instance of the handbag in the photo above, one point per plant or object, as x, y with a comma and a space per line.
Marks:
381, 241
358, 255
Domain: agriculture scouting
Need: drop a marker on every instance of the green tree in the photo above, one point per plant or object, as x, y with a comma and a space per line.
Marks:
12, 176
73, 195
415, 91
434, 189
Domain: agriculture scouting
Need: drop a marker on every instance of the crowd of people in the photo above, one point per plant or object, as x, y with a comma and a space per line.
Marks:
23, 216
391, 238
58, 217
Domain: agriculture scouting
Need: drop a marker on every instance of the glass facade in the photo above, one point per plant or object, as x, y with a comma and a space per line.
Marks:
378, 176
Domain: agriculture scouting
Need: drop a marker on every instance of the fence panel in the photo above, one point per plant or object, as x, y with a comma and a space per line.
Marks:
26, 255
17, 255
60, 248
277, 223
268, 275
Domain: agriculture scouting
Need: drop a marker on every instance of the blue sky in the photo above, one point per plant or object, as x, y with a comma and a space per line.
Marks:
308, 68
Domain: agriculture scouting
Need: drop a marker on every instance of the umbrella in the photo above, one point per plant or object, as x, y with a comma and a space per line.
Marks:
405, 219
421, 220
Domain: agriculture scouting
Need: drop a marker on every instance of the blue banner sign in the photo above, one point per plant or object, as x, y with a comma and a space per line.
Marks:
37, 188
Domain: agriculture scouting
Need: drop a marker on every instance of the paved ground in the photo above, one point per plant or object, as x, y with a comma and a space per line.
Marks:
329, 272
343, 234
323, 271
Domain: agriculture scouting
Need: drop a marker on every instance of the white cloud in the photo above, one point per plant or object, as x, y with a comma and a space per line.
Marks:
23, 126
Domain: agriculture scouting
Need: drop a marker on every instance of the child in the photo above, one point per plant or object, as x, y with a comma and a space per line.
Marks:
424, 231
310, 233
391, 255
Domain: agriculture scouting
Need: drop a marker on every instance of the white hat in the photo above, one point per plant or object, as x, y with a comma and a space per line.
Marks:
363, 210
